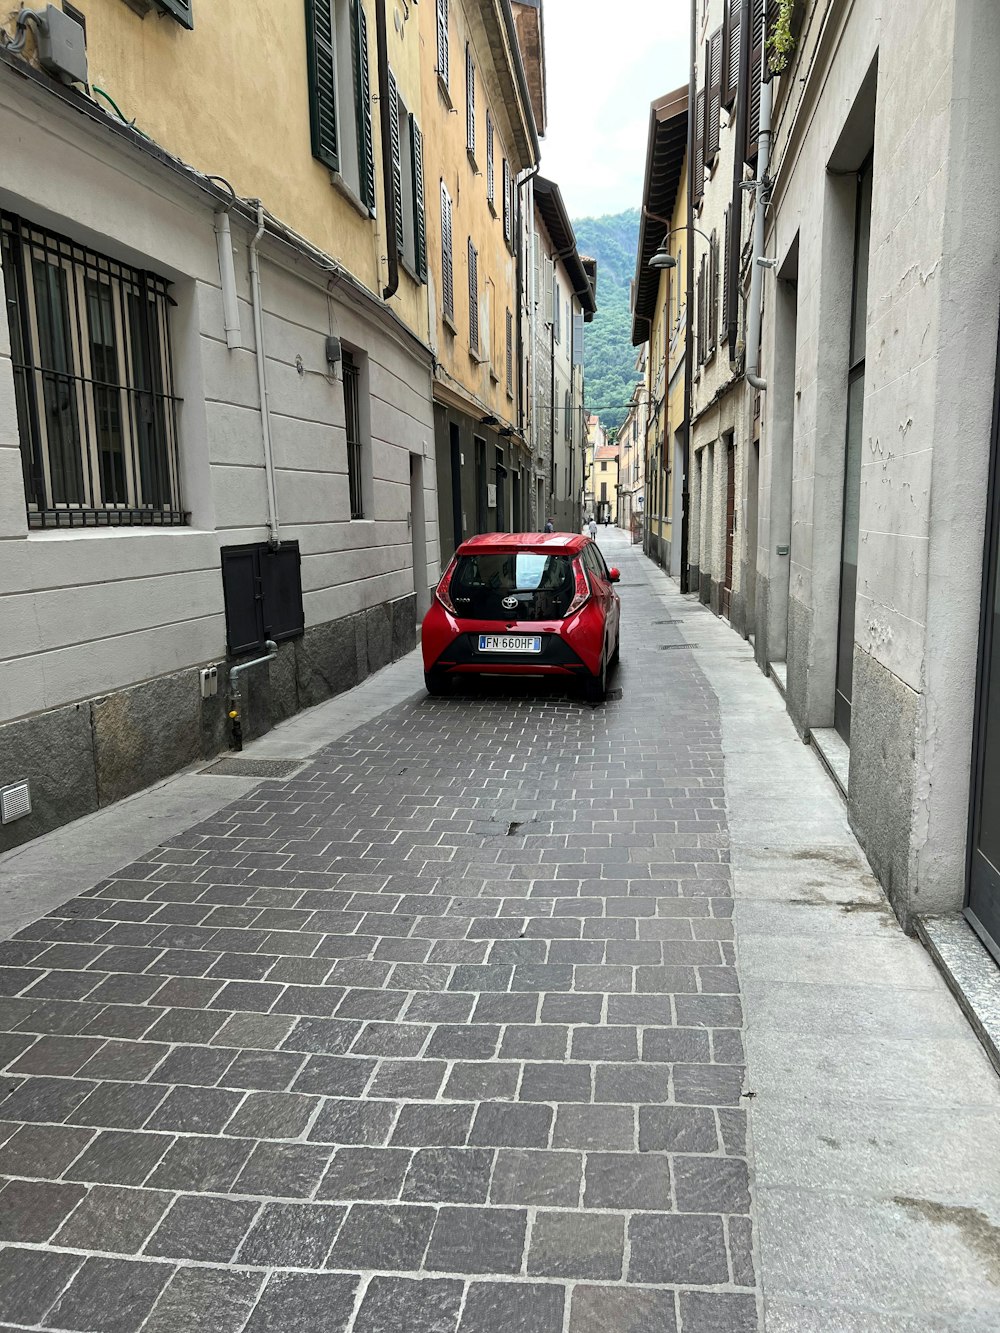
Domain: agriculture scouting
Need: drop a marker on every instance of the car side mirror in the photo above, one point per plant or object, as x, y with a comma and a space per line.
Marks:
614, 575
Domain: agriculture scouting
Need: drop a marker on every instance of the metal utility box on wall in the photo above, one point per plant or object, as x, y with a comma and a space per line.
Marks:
62, 46
262, 590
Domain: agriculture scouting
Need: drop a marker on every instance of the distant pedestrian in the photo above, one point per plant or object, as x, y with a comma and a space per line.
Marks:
549, 525
592, 526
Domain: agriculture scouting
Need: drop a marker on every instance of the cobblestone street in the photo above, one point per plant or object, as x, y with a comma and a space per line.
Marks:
442, 1033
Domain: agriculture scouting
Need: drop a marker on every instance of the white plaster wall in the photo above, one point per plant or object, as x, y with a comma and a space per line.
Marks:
87, 612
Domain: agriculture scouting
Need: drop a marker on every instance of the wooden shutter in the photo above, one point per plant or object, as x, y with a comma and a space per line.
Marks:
442, 41
556, 305
577, 339
419, 220
397, 161
447, 266
181, 10
725, 267
547, 291
713, 103
490, 173
756, 47
713, 292
322, 82
510, 353
700, 320
699, 146
731, 53
363, 103
470, 101
506, 201
473, 297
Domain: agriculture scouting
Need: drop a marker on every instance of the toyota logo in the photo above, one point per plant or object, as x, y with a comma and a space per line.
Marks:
509, 603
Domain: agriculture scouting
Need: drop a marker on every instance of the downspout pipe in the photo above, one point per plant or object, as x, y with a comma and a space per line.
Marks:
274, 531
385, 130
227, 276
762, 194
519, 261
689, 322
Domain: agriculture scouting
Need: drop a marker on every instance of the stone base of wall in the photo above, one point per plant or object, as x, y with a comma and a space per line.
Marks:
705, 588
659, 550
694, 579
90, 754
760, 638
884, 716
797, 664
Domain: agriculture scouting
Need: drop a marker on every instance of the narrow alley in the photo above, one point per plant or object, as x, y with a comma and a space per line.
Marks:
498, 1013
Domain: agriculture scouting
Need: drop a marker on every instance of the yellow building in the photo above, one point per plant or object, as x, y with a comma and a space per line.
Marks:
606, 501
659, 319
222, 353
480, 143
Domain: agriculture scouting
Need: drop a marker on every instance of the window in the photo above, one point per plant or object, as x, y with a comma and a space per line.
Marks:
699, 146
712, 292
340, 106
180, 9
730, 53
567, 416
473, 299
93, 385
442, 41
482, 484
756, 59
358, 457
556, 307
713, 99
543, 585
491, 185
508, 221
604, 492
470, 104
510, 355
447, 264
604, 467
408, 185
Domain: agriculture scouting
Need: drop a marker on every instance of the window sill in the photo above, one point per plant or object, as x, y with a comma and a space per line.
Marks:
445, 93
471, 155
494, 377
492, 207
449, 324
342, 187
410, 271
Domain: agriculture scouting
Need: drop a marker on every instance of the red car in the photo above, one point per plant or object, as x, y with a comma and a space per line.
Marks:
524, 604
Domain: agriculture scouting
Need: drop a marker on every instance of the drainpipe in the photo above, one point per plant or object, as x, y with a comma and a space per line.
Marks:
552, 420
385, 129
274, 537
689, 299
519, 267
762, 194
236, 698
227, 269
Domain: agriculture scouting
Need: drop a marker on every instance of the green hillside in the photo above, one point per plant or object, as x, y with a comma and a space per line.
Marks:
609, 357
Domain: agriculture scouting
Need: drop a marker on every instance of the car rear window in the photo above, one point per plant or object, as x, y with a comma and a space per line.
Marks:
535, 585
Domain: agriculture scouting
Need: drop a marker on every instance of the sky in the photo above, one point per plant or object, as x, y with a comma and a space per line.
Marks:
605, 63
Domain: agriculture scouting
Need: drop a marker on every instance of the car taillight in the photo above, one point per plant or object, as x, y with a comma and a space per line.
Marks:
581, 589
441, 591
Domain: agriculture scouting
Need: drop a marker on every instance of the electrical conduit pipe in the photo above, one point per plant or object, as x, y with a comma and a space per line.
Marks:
274, 531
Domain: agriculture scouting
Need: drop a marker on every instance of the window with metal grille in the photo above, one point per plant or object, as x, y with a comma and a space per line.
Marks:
355, 443
473, 298
93, 384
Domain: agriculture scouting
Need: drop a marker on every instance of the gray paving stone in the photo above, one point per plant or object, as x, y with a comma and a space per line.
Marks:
449, 1175
577, 1245
31, 1280
113, 1219
272, 1115
677, 1249
483, 1081
87, 1304
383, 1236
203, 1228
717, 1312
541, 1177
205, 1297
477, 1240
525, 1306
615, 1309
292, 1235
184, 1110
627, 1180
681, 1129
423, 1126
365, 1173
42, 1150
195, 1163
277, 1170
509, 1125
711, 1185
31, 1210
598, 1128
305, 1302
429, 1305
342, 1121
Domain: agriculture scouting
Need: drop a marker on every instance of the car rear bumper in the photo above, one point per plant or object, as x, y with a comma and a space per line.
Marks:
556, 658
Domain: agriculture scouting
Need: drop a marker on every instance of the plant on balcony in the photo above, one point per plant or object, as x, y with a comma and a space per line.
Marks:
781, 42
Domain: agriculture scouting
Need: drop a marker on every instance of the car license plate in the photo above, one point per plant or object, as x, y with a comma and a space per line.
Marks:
510, 643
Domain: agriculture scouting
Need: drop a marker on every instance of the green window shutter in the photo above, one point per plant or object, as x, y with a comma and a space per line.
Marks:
473, 297
397, 161
419, 221
363, 104
181, 10
322, 82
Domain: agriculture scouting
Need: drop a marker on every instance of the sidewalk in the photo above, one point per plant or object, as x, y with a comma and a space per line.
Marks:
445, 1033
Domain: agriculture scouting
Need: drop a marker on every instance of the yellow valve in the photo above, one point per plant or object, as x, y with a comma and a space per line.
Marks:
234, 713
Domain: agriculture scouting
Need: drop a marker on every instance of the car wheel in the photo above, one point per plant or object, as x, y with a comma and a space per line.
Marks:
596, 687
436, 683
